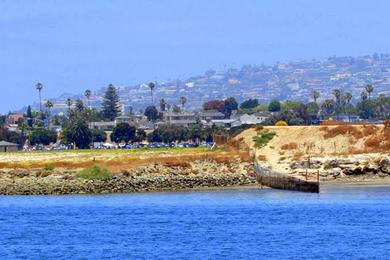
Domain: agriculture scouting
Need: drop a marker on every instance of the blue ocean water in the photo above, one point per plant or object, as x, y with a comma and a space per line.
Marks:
338, 223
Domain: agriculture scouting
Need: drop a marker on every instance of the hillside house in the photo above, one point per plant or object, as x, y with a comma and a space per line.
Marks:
12, 119
182, 119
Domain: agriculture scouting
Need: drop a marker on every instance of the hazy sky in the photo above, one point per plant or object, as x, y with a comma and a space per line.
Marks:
72, 45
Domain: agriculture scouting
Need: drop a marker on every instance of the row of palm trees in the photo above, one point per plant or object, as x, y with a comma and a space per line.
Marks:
163, 103
49, 104
88, 93
342, 100
337, 93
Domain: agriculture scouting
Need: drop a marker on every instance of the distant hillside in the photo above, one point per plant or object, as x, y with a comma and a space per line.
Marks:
285, 81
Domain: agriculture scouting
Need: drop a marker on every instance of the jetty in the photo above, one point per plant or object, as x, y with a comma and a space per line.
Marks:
267, 177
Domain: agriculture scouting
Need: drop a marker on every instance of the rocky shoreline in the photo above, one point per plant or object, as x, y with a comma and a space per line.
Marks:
196, 175
156, 177
352, 168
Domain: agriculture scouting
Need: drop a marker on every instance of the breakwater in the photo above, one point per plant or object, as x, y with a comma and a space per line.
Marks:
157, 177
266, 176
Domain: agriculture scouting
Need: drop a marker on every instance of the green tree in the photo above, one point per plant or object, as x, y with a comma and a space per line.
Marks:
88, 94
163, 105
169, 134
337, 93
151, 113
39, 87
49, 106
42, 136
69, 103
315, 95
218, 105
111, 108
384, 105
123, 132
140, 135
13, 137
78, 133
369, 88
367, 109
152, 85
230, 105
328, 106
363, 95
183, 101
79, 106
176, 109
274, 105
2, 120
348, 98
98, 135
30, 117
313, 108
249, 103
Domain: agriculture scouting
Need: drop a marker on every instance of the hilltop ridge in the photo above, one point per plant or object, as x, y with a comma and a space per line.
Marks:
293, 80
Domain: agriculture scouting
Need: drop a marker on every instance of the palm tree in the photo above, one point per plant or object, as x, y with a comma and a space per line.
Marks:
39, 87
337, 94
382, 104
182, 101
163, 104
348, 98
69, 103
328, 106
88, 94
315, 95
151, 85
49, 105
369, 89
363, 95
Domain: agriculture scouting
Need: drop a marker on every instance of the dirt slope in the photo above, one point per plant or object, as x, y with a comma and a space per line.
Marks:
298, 143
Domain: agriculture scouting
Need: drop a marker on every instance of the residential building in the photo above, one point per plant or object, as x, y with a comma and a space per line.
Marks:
182, 119
12, 119
210, 115
105, 126
6, 147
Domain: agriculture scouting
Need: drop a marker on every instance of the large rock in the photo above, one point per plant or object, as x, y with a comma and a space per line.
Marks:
384, 165
312, 164
341, 163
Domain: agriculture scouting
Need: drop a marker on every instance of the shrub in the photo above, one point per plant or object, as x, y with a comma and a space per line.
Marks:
50, 167
290, 146
333, 122
43, 136
373, 142
343, 130
281, 123
259, 128
262, 139
94, 172
369, 130
297, 156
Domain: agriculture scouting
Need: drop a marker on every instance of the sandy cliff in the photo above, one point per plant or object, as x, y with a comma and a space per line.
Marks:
345, 151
